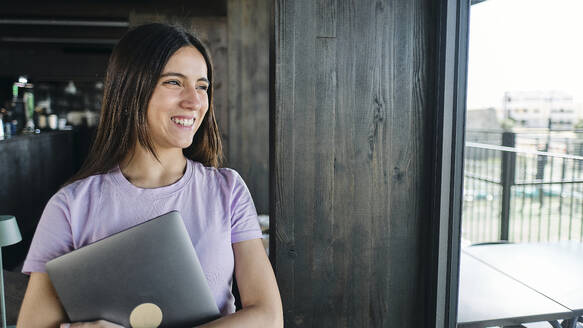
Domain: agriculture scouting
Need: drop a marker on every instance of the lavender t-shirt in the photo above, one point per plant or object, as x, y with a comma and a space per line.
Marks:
215, 204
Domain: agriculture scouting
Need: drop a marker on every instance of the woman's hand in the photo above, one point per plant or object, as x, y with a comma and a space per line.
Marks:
94, 324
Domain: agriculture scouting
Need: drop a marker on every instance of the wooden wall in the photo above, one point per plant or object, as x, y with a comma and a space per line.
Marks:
353, 95
248, 97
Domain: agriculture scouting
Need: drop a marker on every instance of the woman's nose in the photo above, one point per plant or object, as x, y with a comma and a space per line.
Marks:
191, 98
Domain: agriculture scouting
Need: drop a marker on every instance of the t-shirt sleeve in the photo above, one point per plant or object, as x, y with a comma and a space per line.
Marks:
52, 237
244, 223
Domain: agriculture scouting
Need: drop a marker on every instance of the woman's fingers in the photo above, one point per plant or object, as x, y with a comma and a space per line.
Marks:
94, 324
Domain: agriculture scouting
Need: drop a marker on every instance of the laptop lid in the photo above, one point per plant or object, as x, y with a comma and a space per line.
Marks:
145, 276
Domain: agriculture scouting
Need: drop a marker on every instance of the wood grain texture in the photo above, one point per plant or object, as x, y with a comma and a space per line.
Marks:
213, 32
352, 79
282, 223
248, 97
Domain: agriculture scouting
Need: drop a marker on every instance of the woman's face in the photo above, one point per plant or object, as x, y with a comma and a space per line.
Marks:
179, 101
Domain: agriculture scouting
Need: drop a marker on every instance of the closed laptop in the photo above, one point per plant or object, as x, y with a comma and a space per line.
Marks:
145, 276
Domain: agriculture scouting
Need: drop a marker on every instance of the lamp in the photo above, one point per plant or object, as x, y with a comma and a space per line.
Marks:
9, 235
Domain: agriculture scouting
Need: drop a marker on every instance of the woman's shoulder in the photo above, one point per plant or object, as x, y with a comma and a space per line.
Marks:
93, 184
223, 176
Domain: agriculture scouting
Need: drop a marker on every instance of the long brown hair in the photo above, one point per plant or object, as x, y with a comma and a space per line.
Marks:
132, 74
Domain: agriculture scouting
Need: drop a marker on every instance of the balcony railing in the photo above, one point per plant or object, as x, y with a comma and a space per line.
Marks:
522, 194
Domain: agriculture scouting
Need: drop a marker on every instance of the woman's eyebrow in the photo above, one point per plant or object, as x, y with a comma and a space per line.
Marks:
173, 74
203, 79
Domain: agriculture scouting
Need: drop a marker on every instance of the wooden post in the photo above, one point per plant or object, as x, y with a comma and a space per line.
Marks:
352, 117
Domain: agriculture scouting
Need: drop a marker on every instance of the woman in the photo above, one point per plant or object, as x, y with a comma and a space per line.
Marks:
157, 149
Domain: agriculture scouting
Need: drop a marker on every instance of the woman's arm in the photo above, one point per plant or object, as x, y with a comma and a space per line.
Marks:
259, 293
40, 307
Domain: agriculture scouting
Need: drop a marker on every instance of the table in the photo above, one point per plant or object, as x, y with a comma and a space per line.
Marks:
489, 297
552, 269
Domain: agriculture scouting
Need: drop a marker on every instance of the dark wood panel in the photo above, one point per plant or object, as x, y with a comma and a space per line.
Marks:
55, 31
33, 168
112, 9
213, 32
41, 64
282, 223
248, 98
303, 174
352, 83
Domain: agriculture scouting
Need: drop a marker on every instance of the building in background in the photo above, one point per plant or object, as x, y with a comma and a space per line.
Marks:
483, 119
540, 109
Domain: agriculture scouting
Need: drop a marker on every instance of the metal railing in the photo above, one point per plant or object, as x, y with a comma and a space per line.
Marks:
521, 194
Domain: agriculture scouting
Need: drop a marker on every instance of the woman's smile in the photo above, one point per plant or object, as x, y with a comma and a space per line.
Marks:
183, 122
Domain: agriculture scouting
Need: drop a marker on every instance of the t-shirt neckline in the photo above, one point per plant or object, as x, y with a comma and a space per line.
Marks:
126, 186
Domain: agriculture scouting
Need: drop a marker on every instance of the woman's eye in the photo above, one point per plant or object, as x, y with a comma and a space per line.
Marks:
172, 82
203, 87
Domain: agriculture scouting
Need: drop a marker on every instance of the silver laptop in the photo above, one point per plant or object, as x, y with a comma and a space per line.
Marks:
145, 276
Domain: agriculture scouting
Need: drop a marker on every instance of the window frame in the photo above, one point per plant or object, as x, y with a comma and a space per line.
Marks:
449, 158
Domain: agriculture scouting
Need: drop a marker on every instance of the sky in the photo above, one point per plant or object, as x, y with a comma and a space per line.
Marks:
524, 45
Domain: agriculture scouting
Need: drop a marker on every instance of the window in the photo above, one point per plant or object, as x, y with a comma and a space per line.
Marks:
524, 62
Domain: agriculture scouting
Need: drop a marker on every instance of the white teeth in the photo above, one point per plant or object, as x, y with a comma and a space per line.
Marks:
184, 122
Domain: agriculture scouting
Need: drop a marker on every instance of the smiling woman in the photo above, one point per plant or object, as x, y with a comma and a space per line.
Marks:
180, 100
142, 68
157, 150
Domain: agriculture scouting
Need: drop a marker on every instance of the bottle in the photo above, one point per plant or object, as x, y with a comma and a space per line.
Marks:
42, 119
28, 99
53, 121
6, 125
1, 126
23, 105
18, 114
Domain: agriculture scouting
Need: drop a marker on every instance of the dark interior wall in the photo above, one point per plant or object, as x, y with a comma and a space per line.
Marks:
32, 169
111, 9
248, 98
34, 41
85, 60
353, 95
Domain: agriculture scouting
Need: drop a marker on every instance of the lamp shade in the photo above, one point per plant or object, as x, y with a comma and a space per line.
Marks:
9, 233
